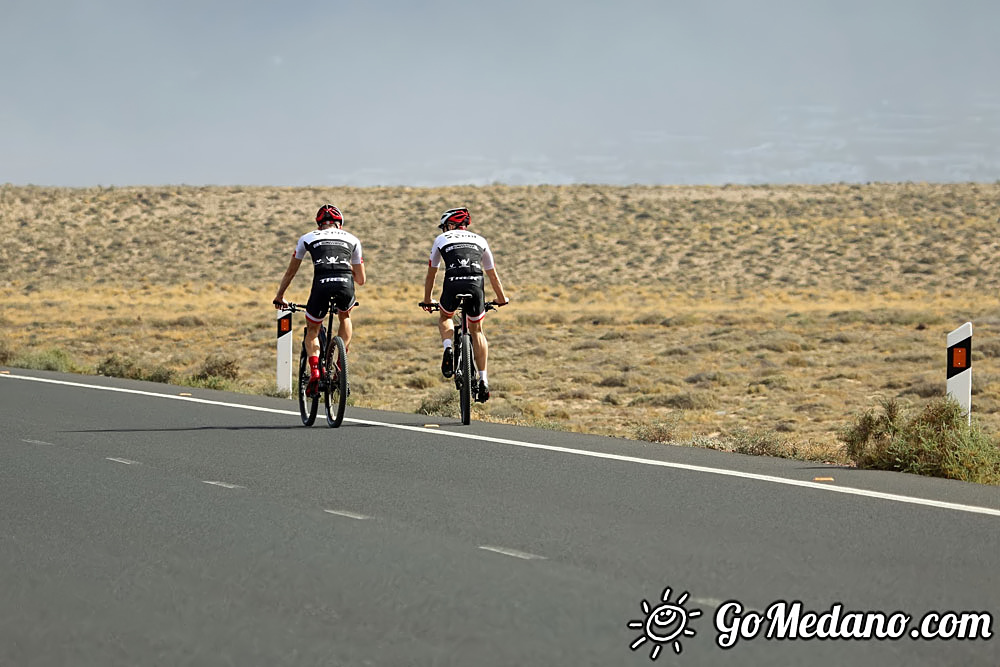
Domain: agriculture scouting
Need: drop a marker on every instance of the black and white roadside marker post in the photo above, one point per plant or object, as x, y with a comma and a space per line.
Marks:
960, 367
283, 377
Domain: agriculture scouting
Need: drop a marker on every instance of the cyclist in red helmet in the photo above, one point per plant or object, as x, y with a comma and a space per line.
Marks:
466, 257
337, 267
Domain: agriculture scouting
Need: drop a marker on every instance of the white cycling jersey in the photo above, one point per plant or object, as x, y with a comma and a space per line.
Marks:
332, 250
462, 253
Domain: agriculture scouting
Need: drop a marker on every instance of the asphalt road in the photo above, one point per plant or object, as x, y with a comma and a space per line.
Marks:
141, 527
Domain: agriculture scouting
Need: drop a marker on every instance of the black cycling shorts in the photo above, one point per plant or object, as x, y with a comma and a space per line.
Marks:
475, 308
337, 289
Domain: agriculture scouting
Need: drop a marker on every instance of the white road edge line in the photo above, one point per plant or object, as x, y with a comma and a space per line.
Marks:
225, 485
125, 461
523, 555
912, 500
349, 515
37, 442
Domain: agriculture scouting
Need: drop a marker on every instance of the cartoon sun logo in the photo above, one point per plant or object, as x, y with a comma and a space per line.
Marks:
664, 624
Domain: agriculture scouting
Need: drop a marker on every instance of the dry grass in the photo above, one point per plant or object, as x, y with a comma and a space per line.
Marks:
720, 311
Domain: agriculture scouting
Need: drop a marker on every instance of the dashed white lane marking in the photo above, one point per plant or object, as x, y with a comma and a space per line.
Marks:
37, 442
524, 555
912, 500
125, 461
225, 485
349, 515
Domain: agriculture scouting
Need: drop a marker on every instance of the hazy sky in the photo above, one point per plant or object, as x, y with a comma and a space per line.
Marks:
435, 92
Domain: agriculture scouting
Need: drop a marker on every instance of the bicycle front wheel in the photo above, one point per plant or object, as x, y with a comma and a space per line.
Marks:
465, 388
308, 405
335, 396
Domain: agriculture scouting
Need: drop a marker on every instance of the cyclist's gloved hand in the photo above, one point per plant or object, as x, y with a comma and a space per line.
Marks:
501, 303
280, 304
428, 306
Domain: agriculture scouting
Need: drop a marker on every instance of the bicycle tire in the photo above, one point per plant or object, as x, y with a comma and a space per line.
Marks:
308, 406
335, 394
465, 390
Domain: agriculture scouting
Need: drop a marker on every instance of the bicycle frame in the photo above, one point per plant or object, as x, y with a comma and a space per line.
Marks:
462, 348
333, 381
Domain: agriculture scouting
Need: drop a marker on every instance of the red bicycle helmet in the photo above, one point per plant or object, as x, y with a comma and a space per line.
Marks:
329, 214
455, 216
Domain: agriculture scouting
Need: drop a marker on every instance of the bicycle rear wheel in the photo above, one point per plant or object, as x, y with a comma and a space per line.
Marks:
335, 395
465, 388
308, 406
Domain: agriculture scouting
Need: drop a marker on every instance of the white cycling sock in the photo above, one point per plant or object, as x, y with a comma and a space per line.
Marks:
482, 376
447, 343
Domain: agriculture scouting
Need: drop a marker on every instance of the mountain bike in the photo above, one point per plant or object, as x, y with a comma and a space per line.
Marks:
332, 374
466, 374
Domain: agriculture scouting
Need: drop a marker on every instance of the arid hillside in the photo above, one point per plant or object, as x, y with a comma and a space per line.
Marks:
685, 313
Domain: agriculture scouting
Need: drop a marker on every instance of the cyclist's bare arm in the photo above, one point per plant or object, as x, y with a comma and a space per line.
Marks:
286, 280
358, 270
497, 286
429, 283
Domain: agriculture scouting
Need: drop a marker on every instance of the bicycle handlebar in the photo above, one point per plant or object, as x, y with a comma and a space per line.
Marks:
296, 307
435, 306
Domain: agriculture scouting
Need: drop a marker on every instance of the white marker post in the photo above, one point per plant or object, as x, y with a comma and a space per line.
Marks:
283, 377
960, 367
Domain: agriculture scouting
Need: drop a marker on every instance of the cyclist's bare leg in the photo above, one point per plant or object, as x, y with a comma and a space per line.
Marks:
346, 329
312, 337
446, 326
480, 346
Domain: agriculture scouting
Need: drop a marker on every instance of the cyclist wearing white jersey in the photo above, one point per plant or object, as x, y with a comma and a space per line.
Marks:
466, 257
338, 266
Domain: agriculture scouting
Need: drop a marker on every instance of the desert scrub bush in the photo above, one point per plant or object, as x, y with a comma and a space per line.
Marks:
779, 341
798, 361
984, 382
535, 319
771, 382
613, 381
124, 367
924, 387
756, 443
650, 318
508, 385
210, 382
843, 337
705, 378
659, 430
440, 404
685, 400
938, 441
612, 399
6, 351
220, 366
270, 388
421, 381
51, 359
684, 320
597, 319
389, 344
705, 442
988, 348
